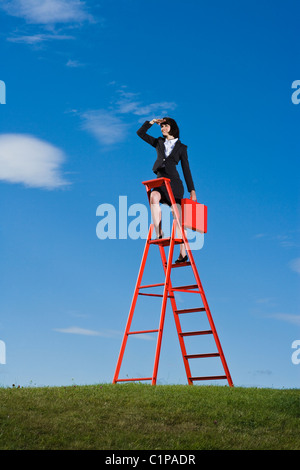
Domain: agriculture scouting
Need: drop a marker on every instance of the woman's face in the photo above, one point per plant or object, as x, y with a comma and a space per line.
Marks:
165, 129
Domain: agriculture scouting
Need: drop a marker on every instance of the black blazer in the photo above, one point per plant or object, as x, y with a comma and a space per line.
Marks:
179, 153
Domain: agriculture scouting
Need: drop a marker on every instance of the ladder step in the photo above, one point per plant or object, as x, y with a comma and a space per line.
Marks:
179, 265
199, 356
212, 377
134, 380
165, 241
194, 333
141, 332
190, 310
187, 288
156, 295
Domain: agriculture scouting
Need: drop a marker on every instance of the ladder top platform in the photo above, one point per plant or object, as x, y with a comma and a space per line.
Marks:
194, 214
156, 182
165, 241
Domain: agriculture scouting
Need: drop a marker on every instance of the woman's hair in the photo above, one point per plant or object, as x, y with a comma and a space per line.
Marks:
174, 131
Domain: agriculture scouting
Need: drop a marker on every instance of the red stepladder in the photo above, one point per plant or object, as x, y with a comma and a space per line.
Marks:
169, 293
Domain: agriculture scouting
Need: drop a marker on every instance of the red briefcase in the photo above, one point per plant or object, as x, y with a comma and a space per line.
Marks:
194, 215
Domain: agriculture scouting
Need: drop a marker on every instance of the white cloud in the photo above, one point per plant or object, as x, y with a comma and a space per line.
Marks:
295, 265
30, 161
47, 11
105, 126
45, 15
109, 126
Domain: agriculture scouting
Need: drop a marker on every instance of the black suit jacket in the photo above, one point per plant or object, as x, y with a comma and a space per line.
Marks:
179, 153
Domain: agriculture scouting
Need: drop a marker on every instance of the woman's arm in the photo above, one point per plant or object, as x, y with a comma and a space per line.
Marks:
142, 133
187, 174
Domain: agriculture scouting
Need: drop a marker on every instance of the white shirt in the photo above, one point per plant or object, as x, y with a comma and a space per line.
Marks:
169, 145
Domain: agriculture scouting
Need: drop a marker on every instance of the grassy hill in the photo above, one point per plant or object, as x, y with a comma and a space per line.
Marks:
141, 417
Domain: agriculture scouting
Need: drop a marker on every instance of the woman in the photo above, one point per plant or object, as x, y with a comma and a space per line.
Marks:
169, 152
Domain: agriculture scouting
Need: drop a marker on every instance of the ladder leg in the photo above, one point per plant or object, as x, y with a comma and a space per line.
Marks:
133, 303
177, 322
163, 307
207, 309
201, 290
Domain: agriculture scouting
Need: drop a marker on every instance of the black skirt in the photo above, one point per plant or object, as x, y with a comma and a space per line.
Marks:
176, 185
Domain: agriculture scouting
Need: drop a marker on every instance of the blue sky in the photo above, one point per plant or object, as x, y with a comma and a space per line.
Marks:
80, 79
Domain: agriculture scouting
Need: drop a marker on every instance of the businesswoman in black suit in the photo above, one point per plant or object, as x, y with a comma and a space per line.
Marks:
170, 151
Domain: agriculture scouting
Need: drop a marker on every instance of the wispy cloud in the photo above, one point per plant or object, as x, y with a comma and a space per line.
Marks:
268, 301
75, 330
74, 63
263, 372
286, 317
110, 126
285, 240
30, 161
47, 12
128, 103
46, 20
259, 235
39, 38
295, 265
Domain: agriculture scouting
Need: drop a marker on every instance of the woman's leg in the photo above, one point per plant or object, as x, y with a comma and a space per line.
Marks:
155, 197
182, 248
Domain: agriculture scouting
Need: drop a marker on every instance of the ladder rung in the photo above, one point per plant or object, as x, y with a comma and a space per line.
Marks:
156, 295
199, 356
186, 288
132, 380
152, 285
190, 310
141, 332
194, 333
212, 377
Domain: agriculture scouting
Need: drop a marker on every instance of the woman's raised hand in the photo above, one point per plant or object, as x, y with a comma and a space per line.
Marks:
157, 121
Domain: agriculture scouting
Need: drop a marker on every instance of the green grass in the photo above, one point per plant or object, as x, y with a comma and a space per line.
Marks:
141, 417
